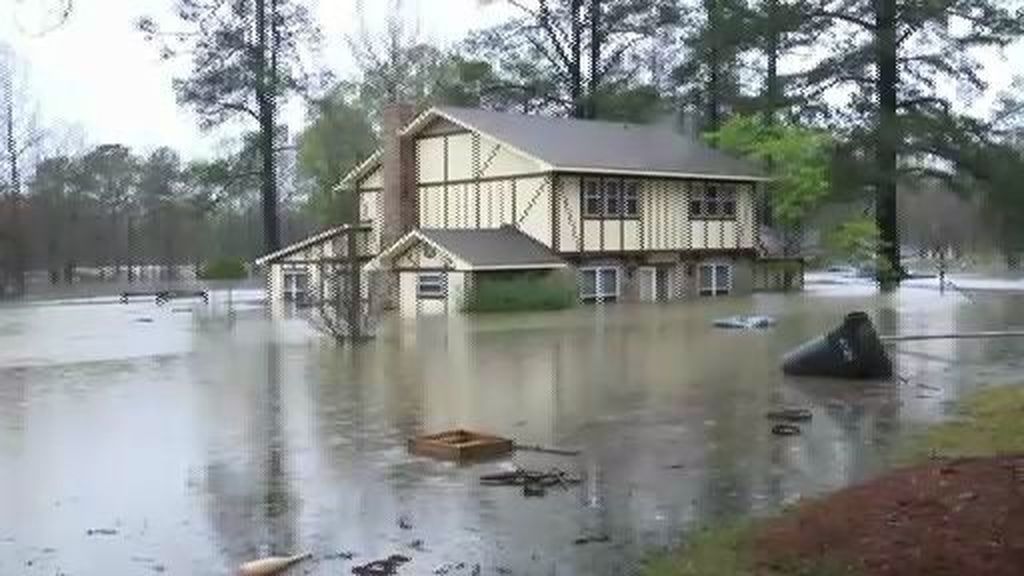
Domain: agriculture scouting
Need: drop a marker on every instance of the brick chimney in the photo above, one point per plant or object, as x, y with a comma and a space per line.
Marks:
397, 207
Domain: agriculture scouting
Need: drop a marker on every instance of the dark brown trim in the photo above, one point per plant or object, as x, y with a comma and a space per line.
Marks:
475, 151
428, 270
446, 183
362, 190
331, 260
645, 177
687, 254
442, 134
556, 190
486, 179
713, 219
515, 215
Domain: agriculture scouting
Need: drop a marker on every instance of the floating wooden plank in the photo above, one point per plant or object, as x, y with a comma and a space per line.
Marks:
460, 445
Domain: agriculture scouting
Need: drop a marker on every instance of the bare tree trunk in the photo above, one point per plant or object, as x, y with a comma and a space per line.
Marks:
713, 8
887, 143
595, 56
16, 230
771, 96
576, 73
265, 94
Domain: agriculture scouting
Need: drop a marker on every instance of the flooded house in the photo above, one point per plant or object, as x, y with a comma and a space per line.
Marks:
630, 212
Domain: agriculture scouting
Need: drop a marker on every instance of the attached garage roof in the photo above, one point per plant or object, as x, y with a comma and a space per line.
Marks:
324, 236
496, 247
504, 248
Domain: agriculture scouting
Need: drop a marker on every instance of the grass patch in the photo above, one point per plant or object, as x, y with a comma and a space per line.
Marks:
223, 269
720, 551
520, 292
990, 422
728, 550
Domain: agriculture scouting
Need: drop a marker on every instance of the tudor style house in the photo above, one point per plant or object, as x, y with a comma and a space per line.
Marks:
634, 212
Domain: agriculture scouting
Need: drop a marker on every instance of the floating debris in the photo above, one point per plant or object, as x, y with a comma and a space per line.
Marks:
790, 414
546, 450
387, 567
417, 545
340, 556
745, 322
271, 565
535, 483
100, 532
460, 445
404, 523
785, 430
592, 539
447, 567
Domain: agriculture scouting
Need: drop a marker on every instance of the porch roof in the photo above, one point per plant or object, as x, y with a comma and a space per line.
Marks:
504, 248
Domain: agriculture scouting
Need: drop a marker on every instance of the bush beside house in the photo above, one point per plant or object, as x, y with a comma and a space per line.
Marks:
513, 292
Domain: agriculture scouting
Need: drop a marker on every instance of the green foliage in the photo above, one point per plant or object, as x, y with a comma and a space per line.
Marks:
499, 292
797, 159
224, 269
989, 423
857, 242
337, 139
725, 550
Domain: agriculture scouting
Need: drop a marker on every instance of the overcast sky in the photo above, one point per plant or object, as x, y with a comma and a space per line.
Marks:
97, 72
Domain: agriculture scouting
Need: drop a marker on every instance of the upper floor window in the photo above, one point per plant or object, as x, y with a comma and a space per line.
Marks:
714, 202
611, 198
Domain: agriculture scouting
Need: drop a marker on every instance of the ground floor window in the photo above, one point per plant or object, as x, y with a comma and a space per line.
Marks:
600, 284
431, 285
715, 279
296, 285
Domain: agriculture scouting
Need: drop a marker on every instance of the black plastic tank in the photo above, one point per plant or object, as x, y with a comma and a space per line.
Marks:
852, 350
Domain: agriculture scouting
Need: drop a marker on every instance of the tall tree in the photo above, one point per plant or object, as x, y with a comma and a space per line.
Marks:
710, 77
20, 136
338, 137
109, 174
572, 53
893, 56
245, 55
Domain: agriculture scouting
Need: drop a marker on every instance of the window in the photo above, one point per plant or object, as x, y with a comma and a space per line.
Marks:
599, 284
591, 199
631, 199
715, 279
714, 202
611, 198
296, 285
431, 285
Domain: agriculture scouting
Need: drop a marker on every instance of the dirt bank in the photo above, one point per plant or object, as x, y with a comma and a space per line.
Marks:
953, 517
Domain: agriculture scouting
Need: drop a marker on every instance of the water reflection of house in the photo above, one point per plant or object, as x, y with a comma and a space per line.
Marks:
636, 212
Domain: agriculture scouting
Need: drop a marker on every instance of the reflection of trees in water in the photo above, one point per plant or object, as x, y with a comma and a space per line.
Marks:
249, 499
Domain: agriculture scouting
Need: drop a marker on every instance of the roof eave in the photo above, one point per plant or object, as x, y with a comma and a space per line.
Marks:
663, 174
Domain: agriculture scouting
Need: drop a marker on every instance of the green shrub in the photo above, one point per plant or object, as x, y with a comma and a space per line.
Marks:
519, 292
224, 269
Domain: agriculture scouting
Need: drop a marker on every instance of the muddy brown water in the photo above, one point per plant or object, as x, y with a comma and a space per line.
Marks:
183, 439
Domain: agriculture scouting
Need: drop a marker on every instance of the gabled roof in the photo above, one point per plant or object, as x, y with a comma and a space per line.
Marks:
592, 146
504, 248
328, 234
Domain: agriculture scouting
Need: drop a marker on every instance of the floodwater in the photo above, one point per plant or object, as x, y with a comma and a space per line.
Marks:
187, 438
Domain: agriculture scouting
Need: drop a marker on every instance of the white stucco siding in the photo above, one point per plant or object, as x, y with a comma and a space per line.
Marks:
568, 206
533, 208
430, 159
497, 159
460, 156
664, 222
375, 179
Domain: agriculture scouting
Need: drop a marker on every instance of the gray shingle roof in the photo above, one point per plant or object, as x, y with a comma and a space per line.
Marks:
505, 246
605, 146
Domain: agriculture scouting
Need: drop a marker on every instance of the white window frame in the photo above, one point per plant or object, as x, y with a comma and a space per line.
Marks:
592, 192
723, 194
435, 283
611, 197
719, 286
600, 294
290, 284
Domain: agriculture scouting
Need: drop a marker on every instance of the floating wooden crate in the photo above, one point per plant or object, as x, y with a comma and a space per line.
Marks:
460, 445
